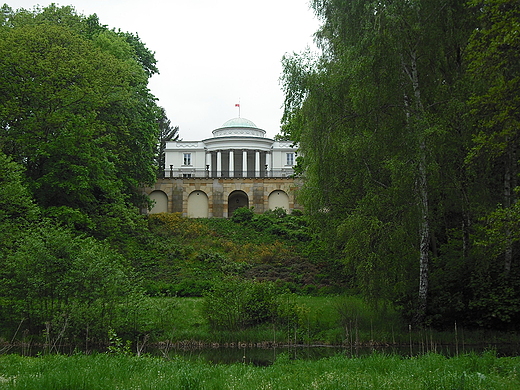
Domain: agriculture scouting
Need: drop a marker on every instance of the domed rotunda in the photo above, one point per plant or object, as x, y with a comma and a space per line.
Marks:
238, 148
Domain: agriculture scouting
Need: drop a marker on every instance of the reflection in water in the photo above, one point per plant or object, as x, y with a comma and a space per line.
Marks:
267, 356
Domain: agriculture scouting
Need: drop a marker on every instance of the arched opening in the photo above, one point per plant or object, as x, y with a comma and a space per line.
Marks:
278, 198
236, 200
161, 202
198, 205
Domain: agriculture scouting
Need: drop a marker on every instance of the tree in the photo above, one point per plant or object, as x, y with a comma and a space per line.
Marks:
369, 115
166, 133
494, 54
74, 285
78, 134
77, 114
17, 209
493, 57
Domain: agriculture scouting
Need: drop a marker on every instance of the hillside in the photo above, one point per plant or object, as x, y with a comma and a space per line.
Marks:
183, 256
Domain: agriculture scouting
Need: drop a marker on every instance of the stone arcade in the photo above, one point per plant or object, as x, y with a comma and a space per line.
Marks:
237, 167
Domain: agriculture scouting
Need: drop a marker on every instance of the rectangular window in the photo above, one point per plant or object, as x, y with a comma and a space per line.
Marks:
290, 159
187, 159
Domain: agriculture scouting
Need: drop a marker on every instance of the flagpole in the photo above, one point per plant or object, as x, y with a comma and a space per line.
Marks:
238, 105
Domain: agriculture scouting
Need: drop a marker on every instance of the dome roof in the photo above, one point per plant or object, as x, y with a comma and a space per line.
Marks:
239, 122
238, 127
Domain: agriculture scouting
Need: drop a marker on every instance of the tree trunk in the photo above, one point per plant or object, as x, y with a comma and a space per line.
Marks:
510, 175
416, 121
424, 250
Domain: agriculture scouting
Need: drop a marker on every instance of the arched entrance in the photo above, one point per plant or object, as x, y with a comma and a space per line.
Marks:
198, 205
161, 202
278, 198
236, 200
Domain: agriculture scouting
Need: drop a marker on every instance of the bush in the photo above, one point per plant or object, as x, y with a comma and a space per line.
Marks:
278, 212
243, 214
65, 284
192, 288
235, 305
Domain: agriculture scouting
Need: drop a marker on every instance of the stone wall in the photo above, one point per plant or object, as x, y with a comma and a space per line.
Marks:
255, 191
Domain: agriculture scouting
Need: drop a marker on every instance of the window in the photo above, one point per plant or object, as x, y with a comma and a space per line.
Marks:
187, 159
186, 175
290, 159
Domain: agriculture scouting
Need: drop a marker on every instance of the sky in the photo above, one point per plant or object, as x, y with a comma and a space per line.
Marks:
212, 54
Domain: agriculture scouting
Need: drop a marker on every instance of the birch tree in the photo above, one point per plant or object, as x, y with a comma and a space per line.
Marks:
368, 114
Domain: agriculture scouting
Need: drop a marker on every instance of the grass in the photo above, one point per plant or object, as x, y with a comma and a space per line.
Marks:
102, 371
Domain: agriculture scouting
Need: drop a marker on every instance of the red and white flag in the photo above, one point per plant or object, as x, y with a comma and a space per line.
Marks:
237, 105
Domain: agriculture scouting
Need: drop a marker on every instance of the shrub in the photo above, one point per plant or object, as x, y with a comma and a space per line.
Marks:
262, 222
235, 305
279, 212
243, 214
65, 284
297, 213
175, 224
192, 288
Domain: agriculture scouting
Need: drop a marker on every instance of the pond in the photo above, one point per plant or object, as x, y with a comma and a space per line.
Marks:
264, 356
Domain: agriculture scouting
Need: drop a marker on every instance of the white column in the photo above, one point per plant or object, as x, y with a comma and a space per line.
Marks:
269, 163
219, 163
257, 163
231, 163
244, 163
208, 164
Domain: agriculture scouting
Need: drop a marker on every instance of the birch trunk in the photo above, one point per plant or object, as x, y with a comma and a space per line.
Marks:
417, 127
424, 251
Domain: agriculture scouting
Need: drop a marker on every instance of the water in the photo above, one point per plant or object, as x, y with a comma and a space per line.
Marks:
267, 356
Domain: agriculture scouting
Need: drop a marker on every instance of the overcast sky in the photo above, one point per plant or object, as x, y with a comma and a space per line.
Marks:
211, 53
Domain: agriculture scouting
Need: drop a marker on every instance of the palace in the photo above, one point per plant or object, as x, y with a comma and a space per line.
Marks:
237, 167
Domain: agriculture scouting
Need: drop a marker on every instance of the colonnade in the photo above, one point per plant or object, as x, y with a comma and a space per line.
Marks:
238, 163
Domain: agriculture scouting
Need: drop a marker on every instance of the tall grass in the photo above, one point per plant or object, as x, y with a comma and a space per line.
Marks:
376, 371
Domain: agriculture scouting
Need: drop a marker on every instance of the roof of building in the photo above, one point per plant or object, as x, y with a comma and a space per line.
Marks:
241, 127
239, 122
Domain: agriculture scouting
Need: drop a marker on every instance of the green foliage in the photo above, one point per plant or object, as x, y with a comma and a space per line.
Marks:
166, 133
407, 127
77, 114
17, 208
362, 321
75, 285
116, 345
493, 54
233, 305
176, 224
243, 214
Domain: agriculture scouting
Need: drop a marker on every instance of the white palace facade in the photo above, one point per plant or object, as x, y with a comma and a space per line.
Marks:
237, 167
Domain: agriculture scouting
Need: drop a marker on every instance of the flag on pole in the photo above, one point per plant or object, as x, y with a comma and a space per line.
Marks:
237, 105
